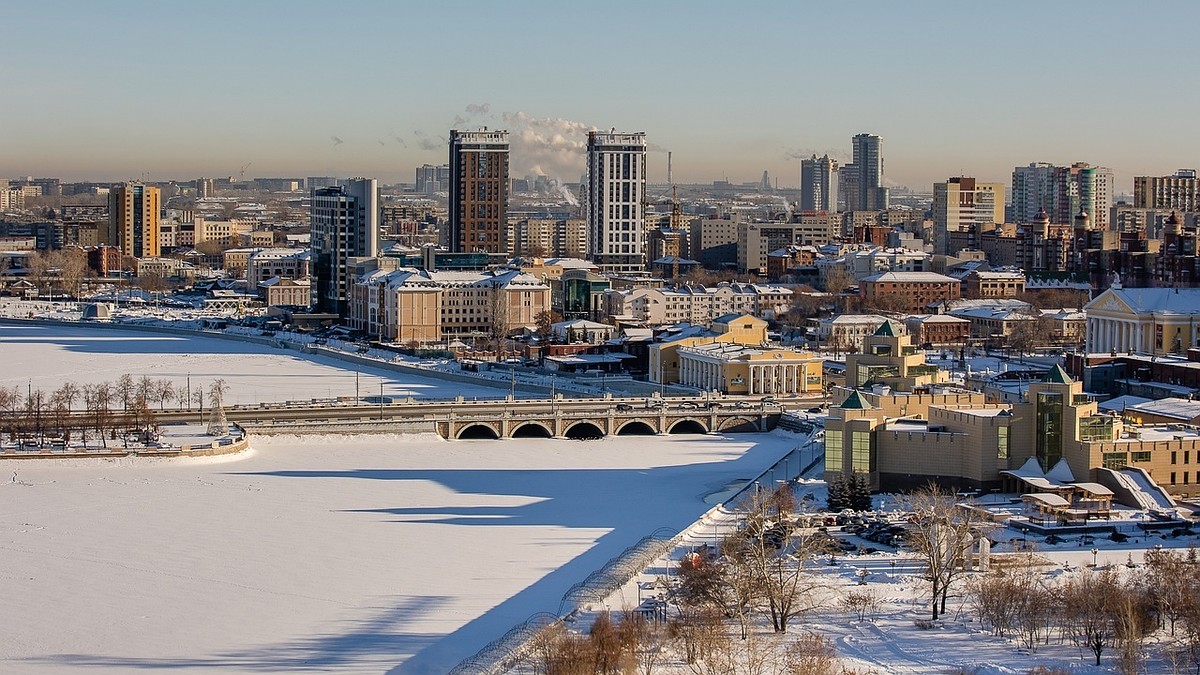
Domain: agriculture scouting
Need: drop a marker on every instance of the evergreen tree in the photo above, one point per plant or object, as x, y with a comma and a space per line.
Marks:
859, 492
838, 498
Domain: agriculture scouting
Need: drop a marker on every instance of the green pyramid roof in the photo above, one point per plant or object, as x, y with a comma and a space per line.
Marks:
885, 329
855, 401
1057, 375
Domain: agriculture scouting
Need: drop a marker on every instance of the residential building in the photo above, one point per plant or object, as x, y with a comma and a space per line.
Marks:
1180, 191
344, 222
755, 240
714, 242
696, 305
133, 215
861, 181
962, 204
431, 179
818, 184
478, 191
996, 283
616, 192
1062, 192
908, 291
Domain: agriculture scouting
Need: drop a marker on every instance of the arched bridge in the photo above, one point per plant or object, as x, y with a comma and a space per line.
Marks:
522, 418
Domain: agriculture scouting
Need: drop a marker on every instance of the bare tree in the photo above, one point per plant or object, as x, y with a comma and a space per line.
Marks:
10, 407
1087, 610
942, 532
125, 389
72, 269
811, 654
644, 640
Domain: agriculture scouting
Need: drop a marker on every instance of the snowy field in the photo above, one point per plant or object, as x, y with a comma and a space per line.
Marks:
340, 554
46, 357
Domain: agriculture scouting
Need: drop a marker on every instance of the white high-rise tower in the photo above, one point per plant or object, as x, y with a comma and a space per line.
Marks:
616, 190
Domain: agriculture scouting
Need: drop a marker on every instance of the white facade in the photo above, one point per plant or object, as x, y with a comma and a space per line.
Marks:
616, 189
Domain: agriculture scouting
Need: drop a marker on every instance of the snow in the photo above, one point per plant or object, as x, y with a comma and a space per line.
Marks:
349, 554
46, 357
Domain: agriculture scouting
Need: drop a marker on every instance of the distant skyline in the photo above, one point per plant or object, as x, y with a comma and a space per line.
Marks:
169, 90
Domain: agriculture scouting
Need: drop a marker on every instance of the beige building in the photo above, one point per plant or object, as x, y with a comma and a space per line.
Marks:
277, 292
962, 203
417, 306
286, 263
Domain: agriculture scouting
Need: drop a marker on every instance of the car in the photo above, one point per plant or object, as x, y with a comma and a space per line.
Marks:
743, 404
624, 407
814, 411
687, 404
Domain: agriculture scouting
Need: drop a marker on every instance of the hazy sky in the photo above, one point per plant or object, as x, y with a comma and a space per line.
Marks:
121, 89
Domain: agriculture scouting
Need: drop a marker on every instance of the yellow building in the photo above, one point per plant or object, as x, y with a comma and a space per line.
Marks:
1144, 320
736, 361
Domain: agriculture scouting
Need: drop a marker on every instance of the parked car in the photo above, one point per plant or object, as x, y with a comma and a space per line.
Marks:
623, 407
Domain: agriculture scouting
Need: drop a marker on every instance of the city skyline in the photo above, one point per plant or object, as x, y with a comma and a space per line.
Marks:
129, 90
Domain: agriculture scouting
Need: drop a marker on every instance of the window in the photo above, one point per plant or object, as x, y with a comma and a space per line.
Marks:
1002, 443
1141, 456
833, 450
862, 451
1172, 461
1116, 460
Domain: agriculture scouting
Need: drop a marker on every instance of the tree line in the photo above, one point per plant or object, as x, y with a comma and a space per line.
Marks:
103, 411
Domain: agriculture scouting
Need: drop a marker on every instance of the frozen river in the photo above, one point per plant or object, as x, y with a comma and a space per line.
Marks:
46, 357
340, 554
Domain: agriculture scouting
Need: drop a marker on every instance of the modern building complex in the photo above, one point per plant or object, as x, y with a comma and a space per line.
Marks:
861, 181
133, 220
616, 191
961, 204
818, 184
344, 225
478, 212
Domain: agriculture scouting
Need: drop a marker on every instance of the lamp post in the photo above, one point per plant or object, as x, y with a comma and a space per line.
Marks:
1024, 538
1095, 551
381, 399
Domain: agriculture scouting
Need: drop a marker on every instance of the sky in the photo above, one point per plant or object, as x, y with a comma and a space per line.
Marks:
126, 89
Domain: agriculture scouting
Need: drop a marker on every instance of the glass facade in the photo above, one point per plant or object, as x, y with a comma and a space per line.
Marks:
1049, 428
862, 451
833, 450
1002, 443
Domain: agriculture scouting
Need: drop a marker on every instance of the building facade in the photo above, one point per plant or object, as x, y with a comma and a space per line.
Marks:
861, 181
616, 191
344, 222
909, 291
478, 191
961, 204
1180, 191
818, 184
133, 220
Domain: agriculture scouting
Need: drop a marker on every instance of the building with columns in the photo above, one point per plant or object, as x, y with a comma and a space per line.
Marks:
1144, 320
738, 361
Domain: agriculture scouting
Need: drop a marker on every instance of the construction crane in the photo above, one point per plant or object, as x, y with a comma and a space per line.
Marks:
242, 173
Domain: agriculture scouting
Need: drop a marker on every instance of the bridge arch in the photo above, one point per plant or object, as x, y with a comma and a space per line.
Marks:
478, 430
532, 430
688, 425
583, 429
738, 425
635, 428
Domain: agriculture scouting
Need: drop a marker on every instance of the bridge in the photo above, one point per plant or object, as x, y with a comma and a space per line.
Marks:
558, 417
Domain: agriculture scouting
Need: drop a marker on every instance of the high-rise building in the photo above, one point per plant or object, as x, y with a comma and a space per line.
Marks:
1062, 191
861, 181
960, 204
478, 191
133, 212
431, 179
616, 182
345, 225
1181, 191
818, 184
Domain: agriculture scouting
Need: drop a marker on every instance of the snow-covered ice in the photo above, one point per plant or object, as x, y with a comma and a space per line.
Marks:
343, 554
46, 357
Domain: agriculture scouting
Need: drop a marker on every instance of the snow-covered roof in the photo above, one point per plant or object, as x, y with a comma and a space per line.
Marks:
911, 278
1175, 300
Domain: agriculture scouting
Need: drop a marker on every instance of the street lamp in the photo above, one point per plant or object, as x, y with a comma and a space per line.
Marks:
1024, 538
1094, 552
